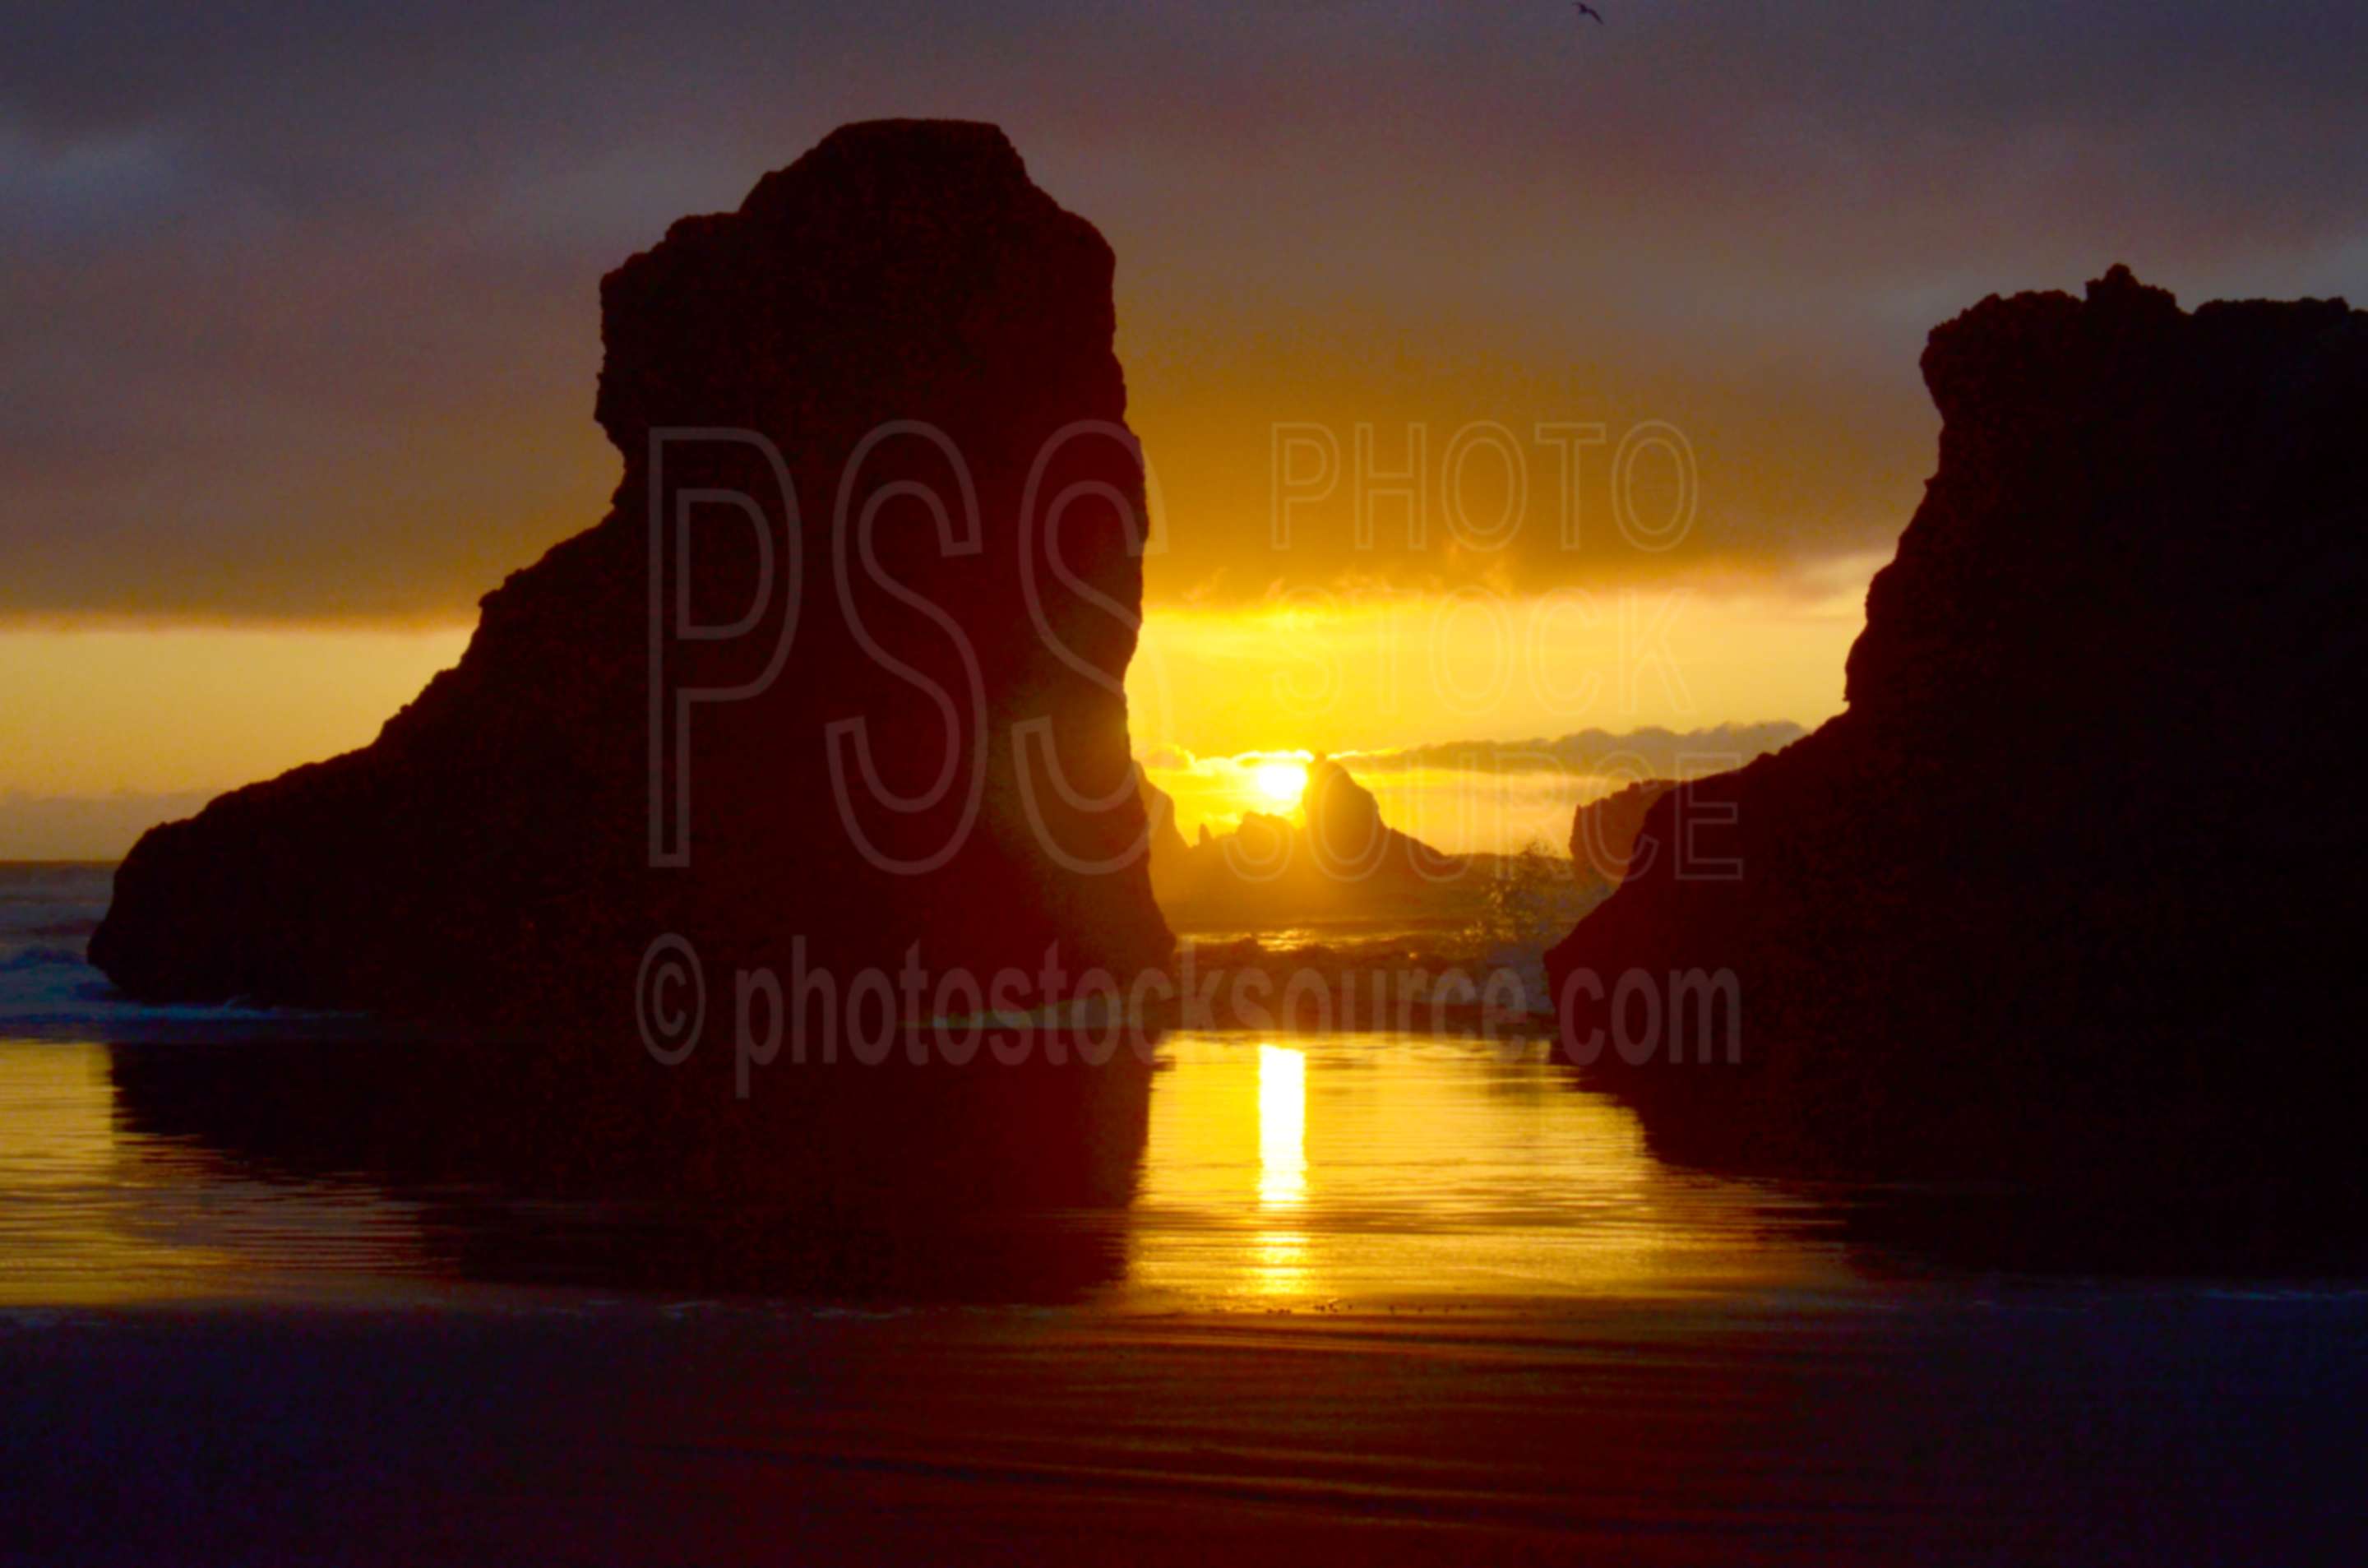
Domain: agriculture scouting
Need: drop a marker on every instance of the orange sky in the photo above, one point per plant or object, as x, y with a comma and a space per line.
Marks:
150, 711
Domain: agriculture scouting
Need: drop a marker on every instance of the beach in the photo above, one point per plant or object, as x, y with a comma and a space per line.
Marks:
1429, 1291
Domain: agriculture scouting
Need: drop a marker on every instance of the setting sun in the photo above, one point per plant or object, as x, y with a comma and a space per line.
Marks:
1280, 784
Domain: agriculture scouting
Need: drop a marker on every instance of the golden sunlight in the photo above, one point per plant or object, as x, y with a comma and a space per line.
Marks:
1279, 784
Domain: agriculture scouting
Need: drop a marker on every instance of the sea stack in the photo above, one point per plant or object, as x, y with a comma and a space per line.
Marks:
2072, 890
835, 687
1341, 859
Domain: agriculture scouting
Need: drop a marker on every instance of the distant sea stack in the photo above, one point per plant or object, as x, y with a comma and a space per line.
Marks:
930, 759
2073, 889
1340, 860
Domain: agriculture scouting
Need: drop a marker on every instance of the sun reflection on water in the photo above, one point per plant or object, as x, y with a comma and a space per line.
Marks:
1350, 1169
1282, 1127
1279, 1256
1376, 1168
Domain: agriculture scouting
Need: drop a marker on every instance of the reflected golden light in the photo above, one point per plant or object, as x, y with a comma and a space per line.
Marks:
70, 1221
1280, 1258
1436, 1169
1282, 1127
95, 1214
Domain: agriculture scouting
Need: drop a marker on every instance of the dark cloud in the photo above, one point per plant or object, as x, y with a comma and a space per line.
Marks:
1649, 752
300, 300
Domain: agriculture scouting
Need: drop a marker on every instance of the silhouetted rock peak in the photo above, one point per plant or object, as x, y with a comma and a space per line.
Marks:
893, 250
924, 743
2119, 289
2079, 864
1167, 847
1989, 611
1344, 819
1340, 857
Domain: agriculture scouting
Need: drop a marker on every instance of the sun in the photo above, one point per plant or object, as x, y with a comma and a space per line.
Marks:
1280, 784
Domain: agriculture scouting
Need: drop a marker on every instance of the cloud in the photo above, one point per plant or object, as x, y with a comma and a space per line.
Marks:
1650, 753
303, 310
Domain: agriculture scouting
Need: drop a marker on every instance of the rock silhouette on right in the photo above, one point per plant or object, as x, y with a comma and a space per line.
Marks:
2071, 893
1603, 833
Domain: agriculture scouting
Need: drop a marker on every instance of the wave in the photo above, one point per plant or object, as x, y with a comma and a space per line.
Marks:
40, 958
48, 987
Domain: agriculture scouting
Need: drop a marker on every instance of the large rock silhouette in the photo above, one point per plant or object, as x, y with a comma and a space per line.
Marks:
2072, 890
937, 765
1604, 833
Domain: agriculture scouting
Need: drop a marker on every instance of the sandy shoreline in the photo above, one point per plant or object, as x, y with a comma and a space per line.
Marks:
2025, 1425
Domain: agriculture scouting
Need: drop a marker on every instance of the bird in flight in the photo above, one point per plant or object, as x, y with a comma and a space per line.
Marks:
1587, 10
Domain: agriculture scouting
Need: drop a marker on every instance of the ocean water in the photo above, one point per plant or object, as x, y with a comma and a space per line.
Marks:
280, 1289
48, 911
47, 914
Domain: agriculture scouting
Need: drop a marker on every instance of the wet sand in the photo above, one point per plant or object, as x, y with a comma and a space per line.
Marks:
2022, 1426
1284, 1299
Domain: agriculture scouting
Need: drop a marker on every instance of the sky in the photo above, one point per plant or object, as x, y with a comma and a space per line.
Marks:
299, 324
